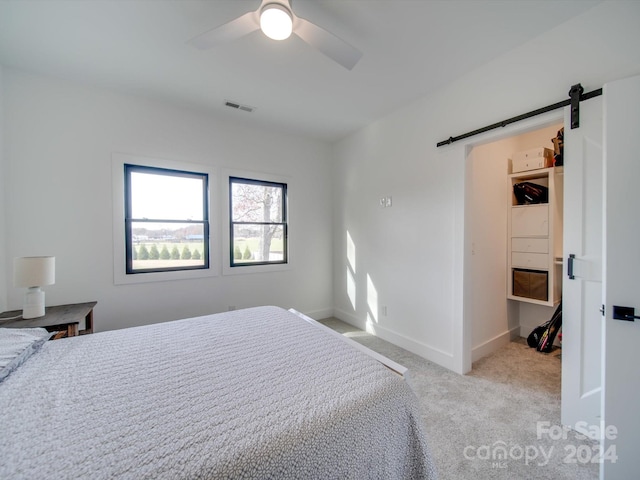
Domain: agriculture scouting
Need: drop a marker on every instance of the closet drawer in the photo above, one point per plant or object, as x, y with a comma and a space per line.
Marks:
530, 221
530, 260
532, 245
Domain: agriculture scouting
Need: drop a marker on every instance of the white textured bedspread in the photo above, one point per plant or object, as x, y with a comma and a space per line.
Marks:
256, 393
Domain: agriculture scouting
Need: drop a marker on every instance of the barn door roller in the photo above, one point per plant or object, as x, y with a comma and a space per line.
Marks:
575, 93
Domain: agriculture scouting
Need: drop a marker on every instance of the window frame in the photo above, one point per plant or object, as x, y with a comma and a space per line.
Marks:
130, 168
120, 277
243, 179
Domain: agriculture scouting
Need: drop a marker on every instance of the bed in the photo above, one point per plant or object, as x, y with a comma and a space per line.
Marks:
255, 393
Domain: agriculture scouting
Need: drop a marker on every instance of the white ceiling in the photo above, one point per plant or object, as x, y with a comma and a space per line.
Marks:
411, 48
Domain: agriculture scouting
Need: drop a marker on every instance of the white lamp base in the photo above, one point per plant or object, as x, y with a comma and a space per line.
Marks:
33, 303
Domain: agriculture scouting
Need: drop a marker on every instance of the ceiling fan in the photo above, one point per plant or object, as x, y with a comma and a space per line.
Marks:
277, 21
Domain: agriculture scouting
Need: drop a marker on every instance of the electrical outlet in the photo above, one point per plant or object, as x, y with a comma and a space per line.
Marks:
383, 202
387, 202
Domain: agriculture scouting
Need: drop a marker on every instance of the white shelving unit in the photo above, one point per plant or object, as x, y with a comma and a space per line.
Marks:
534, 244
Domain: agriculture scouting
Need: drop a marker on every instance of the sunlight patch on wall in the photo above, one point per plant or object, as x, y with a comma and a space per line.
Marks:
351, 252
372, 299
370, 326
351, 288
351, 270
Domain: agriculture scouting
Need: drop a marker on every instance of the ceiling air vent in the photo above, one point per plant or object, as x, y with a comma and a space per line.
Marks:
239, 106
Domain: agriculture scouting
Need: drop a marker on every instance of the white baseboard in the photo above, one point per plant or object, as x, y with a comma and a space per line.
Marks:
525, 331
390, 364
494, 344
350, 319
425, 351
320, 314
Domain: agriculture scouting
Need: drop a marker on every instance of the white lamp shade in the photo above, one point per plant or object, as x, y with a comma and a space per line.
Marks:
34, 271
276, 21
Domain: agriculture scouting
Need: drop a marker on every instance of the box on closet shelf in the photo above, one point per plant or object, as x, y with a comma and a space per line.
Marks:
532, 159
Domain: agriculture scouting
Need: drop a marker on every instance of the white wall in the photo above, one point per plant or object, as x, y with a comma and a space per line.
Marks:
415, 251
493, 319
59, 138
3, 191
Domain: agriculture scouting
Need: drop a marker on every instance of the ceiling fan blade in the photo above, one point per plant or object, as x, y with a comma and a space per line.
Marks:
332, 46
227, 32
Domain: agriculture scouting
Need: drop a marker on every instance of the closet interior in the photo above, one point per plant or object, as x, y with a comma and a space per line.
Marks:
514, 234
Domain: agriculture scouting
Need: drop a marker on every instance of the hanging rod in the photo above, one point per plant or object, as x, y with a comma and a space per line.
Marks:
576, 97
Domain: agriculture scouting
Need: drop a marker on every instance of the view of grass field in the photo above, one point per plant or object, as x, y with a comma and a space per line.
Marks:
170, 250
240, 246
153, 264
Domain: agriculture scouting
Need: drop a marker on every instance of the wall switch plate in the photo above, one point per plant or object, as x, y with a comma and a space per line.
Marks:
385, 202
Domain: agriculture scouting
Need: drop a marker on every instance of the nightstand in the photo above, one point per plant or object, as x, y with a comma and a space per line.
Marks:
63, 319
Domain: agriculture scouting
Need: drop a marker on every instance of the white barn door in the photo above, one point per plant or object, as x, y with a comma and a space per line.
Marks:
582, 296
601, 354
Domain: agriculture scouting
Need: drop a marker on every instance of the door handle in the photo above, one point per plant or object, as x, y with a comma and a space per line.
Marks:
570, 266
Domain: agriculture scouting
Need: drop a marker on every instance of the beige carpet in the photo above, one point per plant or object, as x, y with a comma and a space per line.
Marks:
485, 425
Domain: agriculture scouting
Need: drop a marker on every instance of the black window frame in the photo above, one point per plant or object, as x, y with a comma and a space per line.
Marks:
284, 223
129, 220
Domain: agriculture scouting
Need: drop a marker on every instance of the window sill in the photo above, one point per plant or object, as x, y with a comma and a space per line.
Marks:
239, 270
121, 278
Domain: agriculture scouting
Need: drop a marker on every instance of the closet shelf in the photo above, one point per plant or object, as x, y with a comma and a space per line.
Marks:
535, 240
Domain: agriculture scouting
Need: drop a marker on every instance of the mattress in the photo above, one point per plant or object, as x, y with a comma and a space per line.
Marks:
255, 393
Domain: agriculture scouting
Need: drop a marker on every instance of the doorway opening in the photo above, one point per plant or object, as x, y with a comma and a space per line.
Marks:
494, 315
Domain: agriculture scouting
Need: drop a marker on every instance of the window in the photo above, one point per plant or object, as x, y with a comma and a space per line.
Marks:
258, 222
166, 219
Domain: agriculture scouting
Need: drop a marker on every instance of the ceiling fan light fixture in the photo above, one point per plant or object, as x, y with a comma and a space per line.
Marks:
276, 21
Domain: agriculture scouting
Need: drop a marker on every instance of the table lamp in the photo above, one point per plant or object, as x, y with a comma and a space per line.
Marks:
33, 273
